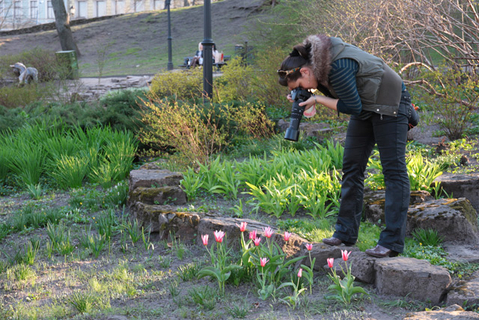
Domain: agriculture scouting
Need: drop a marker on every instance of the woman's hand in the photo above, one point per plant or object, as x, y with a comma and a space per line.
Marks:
290, 98
308, 103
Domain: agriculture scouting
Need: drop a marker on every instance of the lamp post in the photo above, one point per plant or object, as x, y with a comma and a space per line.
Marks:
170, 63
207, 54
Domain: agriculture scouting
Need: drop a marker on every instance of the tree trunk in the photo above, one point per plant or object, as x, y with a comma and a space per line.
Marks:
186, 3
62, 22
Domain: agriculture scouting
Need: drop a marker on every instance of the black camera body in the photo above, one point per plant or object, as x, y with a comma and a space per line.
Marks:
298, 95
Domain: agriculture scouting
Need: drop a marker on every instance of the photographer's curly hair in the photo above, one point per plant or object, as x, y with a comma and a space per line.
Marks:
299, 57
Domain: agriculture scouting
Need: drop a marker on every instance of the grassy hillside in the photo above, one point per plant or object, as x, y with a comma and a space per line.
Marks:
137, 43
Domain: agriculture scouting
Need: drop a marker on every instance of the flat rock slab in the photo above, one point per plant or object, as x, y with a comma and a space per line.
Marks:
208, 225
465, 293
451, 312
462, 252
161, 195
453, 219
418, 279
321, 252
362, 266
461, 185
154, 179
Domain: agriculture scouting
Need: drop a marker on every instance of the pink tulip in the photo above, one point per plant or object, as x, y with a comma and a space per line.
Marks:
345, 254
263, 261
205, 239
252, 235
268, 232
287, 235
257, 241
243, 226
309, 246
219, 236
300, 272
330, 262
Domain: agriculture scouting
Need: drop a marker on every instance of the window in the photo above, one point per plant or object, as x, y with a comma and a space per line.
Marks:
81, 9
100, 8
17, 10
50, 13
139, 5
33, 9
119, 6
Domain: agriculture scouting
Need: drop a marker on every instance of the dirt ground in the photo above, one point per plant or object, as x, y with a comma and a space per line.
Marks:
152, 273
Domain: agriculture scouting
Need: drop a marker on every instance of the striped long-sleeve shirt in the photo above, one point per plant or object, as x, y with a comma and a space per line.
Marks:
343, 81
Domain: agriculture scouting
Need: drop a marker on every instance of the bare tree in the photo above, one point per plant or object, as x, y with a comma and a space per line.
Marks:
62, 23
400, 30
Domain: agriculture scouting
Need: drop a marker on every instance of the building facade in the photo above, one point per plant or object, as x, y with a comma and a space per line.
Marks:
16, 14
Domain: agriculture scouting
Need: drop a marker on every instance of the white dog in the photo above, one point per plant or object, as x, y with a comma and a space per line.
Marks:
24, 74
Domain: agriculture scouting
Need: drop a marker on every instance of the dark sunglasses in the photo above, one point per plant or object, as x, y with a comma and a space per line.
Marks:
285, 73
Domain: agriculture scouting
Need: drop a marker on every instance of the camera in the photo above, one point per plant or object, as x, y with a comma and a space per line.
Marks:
298, 95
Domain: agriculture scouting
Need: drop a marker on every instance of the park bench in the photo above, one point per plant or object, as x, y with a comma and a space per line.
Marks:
218, 65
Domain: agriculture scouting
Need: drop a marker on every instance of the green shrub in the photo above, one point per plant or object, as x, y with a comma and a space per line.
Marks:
191, 130
266, 86
14, 96
235, 83
122, 109
197, 131
75, 114
181, 85
119, 110
11, 118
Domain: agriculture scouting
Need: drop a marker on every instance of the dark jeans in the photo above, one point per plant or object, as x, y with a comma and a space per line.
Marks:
390, 135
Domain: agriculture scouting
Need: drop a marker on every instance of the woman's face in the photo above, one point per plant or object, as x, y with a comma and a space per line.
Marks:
306, 81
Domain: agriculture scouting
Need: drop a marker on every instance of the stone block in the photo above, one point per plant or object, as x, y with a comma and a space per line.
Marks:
159, 196
321, 252
163, 219
453, 219
465, 293
417, 279
362, 266
461, 185
154, 178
